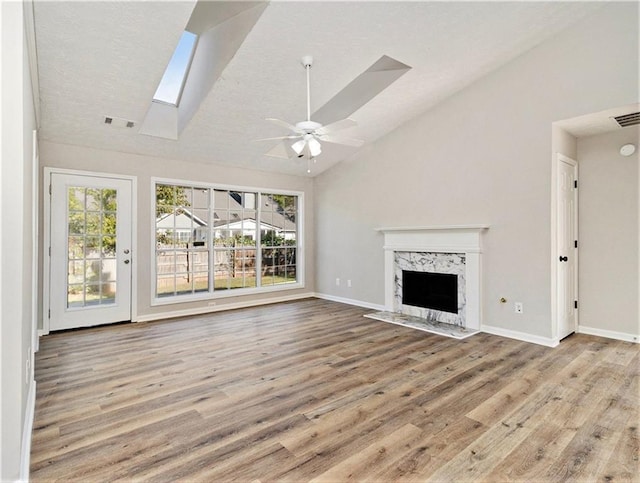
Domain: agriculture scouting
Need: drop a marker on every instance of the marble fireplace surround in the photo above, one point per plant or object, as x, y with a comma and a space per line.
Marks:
444, 249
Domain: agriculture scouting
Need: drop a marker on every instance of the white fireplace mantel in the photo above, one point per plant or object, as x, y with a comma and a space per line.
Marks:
438, 238
466, 239
434, 227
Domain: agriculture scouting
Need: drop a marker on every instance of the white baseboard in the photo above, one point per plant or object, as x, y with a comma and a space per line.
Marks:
358, 303
609, 334
219, 308
42, 332
29, 415
523, 336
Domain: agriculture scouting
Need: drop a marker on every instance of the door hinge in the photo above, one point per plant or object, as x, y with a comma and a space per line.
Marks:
575, 243
49, 189
575, 183
575, 304
49, 315
49, 251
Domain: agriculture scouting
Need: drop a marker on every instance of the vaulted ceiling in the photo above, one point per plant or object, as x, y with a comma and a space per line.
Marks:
98, 59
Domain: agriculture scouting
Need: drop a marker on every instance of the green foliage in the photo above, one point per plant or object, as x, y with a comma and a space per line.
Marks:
92, 215
240, 240
281, 200
164, 238
168, 197
285, 204
237, 240
271, 239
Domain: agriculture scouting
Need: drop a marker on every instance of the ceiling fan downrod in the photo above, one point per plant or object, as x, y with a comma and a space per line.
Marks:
307, 62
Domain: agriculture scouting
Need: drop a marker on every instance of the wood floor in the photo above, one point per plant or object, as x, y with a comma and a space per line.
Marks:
312, 390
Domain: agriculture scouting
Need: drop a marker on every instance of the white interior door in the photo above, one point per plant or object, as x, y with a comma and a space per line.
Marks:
90, 271
567, 250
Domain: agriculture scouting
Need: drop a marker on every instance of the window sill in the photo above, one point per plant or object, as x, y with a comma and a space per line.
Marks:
224, 294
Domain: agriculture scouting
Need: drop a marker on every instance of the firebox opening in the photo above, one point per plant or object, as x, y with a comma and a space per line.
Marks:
437, 291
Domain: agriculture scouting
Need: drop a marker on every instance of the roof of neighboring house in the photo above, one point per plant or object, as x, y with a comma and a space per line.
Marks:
183, 220
229, 214
250, 223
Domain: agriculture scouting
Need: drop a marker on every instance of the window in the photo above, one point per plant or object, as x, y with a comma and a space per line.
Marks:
211, 240
182, 254
279, 237
173, 79
235, 244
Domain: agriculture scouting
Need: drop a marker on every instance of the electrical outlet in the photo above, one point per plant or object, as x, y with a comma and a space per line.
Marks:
518, 308
337, 282
348, 283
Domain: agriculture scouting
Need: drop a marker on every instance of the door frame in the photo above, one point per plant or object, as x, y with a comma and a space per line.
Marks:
556, 159
46, 238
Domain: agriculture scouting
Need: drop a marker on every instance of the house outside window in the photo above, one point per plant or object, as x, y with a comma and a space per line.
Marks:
211, 241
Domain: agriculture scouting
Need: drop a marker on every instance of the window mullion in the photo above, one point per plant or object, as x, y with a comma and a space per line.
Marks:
210, 244
174, 247
259, 240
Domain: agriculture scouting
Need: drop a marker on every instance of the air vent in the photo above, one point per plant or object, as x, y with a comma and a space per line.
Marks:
628, 119
118, 122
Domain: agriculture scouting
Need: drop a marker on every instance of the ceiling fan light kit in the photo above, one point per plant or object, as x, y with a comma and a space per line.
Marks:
309, 134
310, 143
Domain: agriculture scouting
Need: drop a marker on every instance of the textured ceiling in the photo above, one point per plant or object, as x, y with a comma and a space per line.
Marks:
98, 59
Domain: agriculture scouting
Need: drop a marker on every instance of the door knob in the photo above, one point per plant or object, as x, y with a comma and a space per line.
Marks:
126, 251
564, 259
126, 262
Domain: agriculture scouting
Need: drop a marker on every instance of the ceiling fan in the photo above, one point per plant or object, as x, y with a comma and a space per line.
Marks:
309, 133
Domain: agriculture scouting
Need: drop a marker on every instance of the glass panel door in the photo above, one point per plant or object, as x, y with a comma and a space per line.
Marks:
91, 255
92, 272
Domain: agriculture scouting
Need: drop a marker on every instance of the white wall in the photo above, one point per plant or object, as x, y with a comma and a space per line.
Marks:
144, 168
16, 170
564, 143
482, 156
608, 233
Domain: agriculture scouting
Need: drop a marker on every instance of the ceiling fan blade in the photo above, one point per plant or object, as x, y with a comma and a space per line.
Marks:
280, 150
291, 127
279, 138
356, 143
384, 72
336, 126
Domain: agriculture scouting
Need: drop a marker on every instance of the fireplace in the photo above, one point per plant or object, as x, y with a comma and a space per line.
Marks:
446, 263
430, 290
443, 272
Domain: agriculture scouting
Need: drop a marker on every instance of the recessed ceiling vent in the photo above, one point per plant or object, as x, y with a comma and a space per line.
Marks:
628, 119
118, 122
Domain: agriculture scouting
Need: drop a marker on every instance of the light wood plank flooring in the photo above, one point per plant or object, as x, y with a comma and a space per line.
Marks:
313, 391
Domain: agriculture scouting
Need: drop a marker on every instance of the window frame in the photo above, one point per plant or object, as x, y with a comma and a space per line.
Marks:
185, 75
212, 294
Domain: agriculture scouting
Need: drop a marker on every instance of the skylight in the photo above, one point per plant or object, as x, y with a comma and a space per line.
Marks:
175, 74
